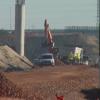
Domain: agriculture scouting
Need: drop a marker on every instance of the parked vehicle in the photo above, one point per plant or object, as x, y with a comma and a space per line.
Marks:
46, 59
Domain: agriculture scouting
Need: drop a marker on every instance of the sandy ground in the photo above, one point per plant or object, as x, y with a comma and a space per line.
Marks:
69, 81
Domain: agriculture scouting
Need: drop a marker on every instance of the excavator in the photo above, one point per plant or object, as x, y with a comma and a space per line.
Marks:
49, 41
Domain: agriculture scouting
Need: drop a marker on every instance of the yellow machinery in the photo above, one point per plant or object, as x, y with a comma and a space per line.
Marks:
76, 55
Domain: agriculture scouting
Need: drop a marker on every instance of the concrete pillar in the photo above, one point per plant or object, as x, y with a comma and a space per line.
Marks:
20, 26
98, 27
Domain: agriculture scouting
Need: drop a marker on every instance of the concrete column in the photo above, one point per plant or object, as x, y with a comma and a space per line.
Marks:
20, 26
98, 27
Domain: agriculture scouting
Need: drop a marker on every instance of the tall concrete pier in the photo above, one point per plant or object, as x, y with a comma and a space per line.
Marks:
20, 26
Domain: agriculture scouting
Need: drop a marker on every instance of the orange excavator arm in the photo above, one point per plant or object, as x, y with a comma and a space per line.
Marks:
47, 32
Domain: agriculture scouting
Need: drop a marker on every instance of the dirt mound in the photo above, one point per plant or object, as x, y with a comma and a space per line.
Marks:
8, 89
11, 61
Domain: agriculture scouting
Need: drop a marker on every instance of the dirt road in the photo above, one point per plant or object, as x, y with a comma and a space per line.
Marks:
44, 83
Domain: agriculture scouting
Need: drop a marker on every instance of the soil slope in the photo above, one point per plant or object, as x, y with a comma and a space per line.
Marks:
10, 60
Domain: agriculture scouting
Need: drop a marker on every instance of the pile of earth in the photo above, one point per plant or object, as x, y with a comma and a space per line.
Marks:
11, 61
8, 89
11, 91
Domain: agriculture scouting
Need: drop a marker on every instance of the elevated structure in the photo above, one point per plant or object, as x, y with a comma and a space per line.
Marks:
20, 26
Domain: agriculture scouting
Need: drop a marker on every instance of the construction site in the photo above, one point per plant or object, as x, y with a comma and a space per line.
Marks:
49, 64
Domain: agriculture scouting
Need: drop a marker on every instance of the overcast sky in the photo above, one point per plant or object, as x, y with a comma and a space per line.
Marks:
60, 13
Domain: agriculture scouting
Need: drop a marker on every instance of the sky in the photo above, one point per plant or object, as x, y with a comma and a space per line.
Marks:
59, 13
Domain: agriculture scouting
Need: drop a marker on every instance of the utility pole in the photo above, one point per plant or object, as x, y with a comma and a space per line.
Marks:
20, 26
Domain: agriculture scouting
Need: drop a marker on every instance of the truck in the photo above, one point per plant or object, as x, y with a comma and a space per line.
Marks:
75, 56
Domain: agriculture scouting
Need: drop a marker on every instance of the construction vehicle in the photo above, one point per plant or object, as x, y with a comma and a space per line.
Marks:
75, 56
49, 42
78, 54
